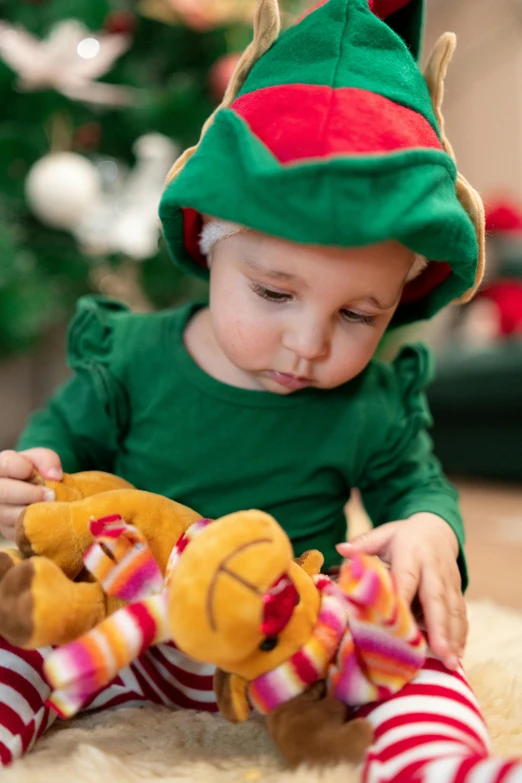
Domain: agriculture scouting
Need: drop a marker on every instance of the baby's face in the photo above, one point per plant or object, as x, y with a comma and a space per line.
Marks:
287, 316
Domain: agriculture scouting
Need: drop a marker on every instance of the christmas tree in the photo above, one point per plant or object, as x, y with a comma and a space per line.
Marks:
98, 97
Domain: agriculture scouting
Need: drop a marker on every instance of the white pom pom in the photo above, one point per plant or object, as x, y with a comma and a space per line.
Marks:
214, 231
61, 187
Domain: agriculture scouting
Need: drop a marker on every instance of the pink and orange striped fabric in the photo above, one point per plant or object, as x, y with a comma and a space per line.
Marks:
366, 643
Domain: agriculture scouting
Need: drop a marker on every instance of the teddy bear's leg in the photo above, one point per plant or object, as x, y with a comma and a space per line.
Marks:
40, 606
77, 486
8, 559
60, 531
315, 729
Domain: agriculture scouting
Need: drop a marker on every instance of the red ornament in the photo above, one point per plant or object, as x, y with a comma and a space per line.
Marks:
278, 606
504, 217
507, 295
221, 73
120, 22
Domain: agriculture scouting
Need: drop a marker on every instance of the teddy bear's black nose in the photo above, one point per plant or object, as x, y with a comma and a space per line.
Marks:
269, 644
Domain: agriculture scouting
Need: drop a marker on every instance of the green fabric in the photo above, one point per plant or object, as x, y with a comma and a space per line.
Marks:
140, 407
408, 196
345, 45
346, 201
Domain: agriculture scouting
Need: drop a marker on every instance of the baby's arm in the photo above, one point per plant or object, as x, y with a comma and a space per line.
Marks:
73, 432
413, 507
76, 424
83, 425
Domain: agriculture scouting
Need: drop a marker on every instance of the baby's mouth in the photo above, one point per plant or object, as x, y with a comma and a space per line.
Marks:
290, 381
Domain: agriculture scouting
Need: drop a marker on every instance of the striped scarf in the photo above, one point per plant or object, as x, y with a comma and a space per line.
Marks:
366, 644
77, 671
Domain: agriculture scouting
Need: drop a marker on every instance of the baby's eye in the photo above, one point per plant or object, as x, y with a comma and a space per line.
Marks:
358, 318
271, 296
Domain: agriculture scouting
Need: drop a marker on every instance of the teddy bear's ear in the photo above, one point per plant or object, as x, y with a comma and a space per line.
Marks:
231, 695
435, 74
311, 562
267, 25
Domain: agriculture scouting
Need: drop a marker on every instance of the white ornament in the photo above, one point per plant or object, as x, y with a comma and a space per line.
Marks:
126, 220
68, 60
61, 188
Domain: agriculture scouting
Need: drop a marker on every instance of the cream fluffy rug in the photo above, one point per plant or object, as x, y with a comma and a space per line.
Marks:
154, 744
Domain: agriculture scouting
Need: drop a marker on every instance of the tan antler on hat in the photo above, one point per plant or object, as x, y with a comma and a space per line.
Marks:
435, 74
267, 25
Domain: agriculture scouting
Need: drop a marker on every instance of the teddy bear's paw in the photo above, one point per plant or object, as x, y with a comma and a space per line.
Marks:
8, 559
17, 605
316, 730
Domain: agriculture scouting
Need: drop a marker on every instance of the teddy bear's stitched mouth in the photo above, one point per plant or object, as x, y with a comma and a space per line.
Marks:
224, 569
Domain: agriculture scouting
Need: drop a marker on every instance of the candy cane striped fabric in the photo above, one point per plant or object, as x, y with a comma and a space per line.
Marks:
385, 648
431, 732
129, 572
163, 675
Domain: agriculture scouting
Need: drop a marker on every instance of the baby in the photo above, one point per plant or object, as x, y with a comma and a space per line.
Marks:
324, 204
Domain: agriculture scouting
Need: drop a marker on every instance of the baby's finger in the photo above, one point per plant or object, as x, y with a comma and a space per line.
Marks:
15, 466
458, 622
46, 462
406, 569
20, 493
8, 519
433, 597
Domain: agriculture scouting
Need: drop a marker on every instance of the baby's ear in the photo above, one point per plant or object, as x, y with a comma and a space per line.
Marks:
311, 562
435, 74
231, 696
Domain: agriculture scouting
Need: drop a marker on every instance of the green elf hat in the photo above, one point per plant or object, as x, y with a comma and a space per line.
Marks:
330, 135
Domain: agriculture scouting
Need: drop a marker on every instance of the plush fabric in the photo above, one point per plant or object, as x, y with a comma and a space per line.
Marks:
156, 744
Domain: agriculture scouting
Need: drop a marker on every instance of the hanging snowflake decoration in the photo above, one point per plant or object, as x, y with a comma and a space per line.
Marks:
69, 60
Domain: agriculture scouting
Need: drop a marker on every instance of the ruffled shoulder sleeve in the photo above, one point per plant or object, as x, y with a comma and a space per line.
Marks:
411, 372
95, 347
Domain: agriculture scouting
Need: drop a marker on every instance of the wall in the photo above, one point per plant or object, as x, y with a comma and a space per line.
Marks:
483, 102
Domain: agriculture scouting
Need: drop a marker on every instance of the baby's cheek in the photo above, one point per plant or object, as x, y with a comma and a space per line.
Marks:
352, 356
242, 338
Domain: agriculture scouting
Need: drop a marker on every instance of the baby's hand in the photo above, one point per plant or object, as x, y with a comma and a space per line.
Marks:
16, 471
422, 552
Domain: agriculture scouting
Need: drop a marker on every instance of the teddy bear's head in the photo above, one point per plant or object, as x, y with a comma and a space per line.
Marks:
239, 600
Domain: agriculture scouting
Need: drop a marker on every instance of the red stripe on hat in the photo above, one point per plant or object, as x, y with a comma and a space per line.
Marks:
307, 122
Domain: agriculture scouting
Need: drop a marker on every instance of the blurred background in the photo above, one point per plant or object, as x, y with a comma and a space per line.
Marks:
98, 97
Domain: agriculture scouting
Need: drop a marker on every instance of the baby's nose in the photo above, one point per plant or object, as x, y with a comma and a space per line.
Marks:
308, 344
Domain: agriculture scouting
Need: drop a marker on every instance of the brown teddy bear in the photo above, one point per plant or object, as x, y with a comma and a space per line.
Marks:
286, 640
46, 595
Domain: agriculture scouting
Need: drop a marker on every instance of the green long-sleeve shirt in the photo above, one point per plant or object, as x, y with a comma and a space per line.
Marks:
140, 407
